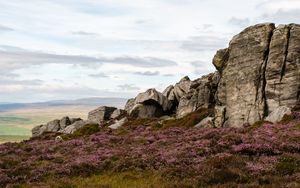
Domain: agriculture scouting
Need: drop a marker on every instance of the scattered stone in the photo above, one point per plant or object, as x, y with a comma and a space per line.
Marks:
118, 123
276, 115
59, 139
205, 123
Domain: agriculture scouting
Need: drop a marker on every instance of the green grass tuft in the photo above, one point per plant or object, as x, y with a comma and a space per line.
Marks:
83, 131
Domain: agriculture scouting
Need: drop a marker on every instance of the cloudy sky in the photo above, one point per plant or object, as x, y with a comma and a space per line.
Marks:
68, 49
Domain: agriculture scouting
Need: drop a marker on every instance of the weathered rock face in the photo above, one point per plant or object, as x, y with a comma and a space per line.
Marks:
101, 114
242, 84
149, 104
261, 73
283, 68
53, 126
182, 88
130, 103
200, 95
118, 113
220, 59
169, 92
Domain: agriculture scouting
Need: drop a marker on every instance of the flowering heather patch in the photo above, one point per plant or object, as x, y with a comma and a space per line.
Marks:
265, 155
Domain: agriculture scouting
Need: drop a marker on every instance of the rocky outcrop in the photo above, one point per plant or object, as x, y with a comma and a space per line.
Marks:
200, 95
242, 84
149, 104
100, 114
258, 75
261, 73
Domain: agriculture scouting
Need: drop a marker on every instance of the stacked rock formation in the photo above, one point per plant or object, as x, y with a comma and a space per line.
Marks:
257, 75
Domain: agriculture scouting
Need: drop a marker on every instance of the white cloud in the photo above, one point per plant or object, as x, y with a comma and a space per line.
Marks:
87, 47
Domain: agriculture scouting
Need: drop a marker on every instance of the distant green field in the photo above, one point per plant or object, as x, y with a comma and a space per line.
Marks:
12, 125
12, 138
15, 125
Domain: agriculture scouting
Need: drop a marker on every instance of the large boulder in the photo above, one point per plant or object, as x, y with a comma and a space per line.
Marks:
276, 115
241, 87
100, 114
64, 122
200, 95
205, 123
146, 111
153, 96
75, 126
38, 130
150, 104
52, 126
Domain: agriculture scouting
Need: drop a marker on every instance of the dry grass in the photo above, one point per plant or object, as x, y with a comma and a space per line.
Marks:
113, 180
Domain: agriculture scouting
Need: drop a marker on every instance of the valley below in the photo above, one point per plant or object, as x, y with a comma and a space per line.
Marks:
17, 120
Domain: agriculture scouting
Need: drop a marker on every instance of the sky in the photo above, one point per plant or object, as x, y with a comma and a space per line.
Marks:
70, 49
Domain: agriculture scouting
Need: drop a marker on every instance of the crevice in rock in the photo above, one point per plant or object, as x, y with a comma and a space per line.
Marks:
282, 73
264, 80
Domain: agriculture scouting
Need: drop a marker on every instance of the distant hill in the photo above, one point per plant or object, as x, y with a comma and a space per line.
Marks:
95, 101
